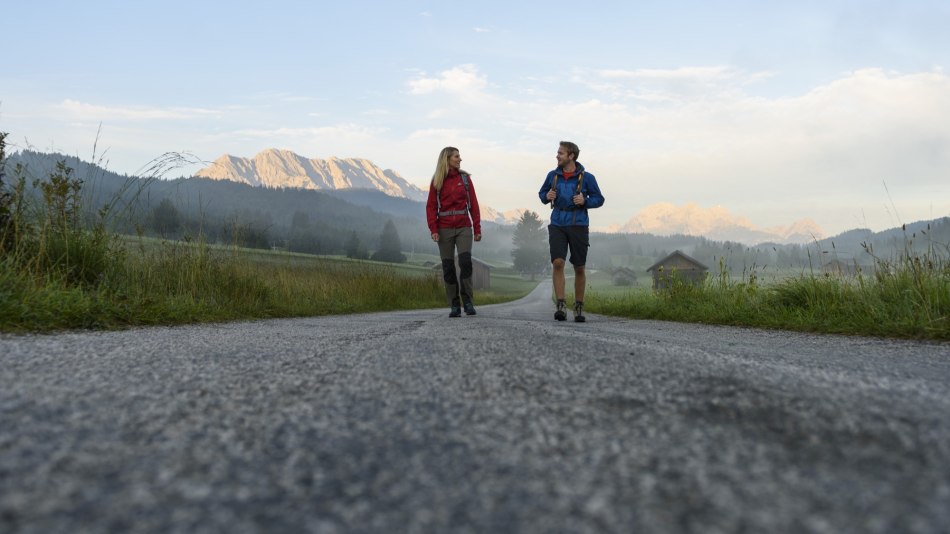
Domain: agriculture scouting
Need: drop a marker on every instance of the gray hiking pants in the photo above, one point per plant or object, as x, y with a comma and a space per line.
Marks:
452, 240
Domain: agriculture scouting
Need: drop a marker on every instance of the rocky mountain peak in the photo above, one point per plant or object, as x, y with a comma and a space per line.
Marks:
275, 167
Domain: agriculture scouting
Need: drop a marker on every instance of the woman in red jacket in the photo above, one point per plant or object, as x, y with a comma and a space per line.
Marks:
453, 217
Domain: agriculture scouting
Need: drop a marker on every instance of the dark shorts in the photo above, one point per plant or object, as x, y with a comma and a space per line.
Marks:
575, 238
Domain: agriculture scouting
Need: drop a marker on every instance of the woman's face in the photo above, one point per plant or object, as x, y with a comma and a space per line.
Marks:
455, 160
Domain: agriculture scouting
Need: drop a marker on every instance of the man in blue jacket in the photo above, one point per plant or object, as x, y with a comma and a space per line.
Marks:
572, 191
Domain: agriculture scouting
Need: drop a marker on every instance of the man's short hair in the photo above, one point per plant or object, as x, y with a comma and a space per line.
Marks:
571, 148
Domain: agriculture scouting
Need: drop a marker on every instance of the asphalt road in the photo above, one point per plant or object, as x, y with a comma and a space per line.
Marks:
503, 422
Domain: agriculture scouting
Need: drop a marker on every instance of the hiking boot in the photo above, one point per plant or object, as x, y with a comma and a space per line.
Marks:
579, 312
456, 312
469, 309
561, 313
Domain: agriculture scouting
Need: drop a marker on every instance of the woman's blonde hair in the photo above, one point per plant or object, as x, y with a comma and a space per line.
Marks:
442, 167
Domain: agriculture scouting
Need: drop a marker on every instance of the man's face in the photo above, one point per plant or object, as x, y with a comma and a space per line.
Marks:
563, 158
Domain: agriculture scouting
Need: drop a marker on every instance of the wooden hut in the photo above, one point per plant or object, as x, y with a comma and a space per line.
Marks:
677, 266
624, 276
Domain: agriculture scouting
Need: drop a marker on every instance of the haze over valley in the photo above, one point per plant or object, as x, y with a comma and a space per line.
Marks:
343, 205
286, 169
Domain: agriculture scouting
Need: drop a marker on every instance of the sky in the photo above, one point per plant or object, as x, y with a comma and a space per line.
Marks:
835, 111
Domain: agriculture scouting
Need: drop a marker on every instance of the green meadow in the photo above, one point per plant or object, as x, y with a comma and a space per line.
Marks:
142, 281
903, 297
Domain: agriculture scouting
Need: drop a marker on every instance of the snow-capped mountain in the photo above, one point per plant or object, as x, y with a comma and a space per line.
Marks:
715, 223
507, 217
283, 168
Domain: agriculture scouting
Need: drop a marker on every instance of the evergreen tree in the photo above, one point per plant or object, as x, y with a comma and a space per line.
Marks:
166, 220
354, 249
5, 197
529, 253
390, 248
302, 236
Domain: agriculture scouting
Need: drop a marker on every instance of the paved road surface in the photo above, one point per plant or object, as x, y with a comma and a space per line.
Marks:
504, 422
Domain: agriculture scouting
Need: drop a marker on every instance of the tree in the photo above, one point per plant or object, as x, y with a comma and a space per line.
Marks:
529, 253
5, 197
354, 249
302, 237
165, 218
390, 248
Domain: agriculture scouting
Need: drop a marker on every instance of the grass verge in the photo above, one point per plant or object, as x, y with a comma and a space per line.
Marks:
904, 298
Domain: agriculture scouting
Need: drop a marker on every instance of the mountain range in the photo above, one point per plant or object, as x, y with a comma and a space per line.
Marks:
715, 223
286, 169
345, 177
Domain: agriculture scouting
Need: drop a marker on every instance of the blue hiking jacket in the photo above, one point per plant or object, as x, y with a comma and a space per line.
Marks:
565, 213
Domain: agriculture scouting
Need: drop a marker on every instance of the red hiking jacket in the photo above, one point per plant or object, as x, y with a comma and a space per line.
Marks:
452, 197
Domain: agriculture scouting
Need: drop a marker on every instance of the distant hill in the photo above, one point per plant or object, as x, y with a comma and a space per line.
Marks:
715, 223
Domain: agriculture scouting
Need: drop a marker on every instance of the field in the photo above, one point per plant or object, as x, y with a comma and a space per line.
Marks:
904, 297
142, 281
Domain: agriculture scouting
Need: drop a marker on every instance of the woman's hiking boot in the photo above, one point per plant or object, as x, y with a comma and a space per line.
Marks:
469, 309
456, 312
561, 313
579, 312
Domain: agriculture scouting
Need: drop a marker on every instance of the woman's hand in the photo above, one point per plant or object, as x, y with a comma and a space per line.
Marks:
435, 237
478, 237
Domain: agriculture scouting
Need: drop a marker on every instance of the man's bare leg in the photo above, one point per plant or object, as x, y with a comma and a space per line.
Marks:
558, 276
580, 283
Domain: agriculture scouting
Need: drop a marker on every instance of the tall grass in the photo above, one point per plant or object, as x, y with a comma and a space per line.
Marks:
60, 267
907, 296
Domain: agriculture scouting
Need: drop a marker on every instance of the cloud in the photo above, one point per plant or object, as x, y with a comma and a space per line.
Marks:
463, 80
669, 85
340, 131
85, 111
481, 30
706, 136
698, 134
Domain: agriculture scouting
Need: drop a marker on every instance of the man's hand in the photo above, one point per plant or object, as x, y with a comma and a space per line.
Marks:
552, 194
478, 237
579, 200
435, 237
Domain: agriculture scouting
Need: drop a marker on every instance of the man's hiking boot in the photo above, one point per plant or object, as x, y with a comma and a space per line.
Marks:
469, 309
456, 312
560, 314
579, 312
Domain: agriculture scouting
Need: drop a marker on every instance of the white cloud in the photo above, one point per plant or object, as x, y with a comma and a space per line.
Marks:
822, 154
85, 111
463, 80
340, 131
481, 30
669, 85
